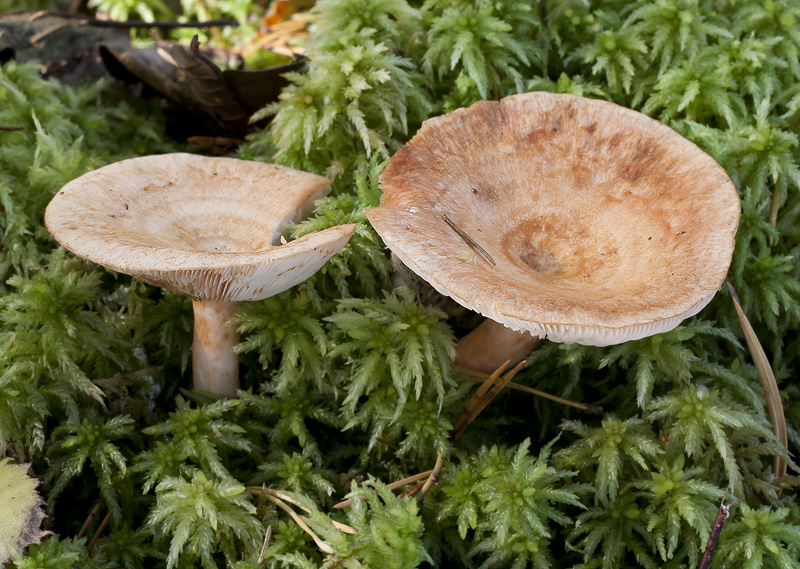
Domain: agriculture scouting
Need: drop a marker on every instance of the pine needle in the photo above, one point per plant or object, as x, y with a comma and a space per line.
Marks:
469, 239
391, 486
100, 529
89, 519
324, 547
275, 496
478, 377
767, 377
488, 390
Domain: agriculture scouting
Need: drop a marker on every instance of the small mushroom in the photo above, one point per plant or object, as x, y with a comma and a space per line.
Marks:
206, 228
561, 217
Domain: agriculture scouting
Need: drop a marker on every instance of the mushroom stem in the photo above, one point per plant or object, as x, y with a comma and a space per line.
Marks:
215, 366
491, 344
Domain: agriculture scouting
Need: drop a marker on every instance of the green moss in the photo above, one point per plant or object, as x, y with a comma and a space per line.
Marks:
347, 379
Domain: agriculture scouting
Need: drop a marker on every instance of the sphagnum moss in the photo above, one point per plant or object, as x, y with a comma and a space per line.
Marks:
685, 417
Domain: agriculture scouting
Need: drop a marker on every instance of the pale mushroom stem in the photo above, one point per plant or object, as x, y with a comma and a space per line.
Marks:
215, 366
491, 344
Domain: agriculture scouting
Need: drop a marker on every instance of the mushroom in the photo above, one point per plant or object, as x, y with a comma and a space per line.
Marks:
206, 228
558, 216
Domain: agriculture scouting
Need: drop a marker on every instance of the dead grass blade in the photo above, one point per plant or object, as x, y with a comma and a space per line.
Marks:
768, 383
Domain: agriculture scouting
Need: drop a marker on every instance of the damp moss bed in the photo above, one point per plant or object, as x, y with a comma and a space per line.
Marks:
347, 379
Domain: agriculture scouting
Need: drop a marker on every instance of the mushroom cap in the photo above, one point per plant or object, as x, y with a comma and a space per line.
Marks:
605, 225
207, 228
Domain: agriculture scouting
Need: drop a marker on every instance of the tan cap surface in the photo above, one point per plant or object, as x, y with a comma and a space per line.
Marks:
203, 227
605, 225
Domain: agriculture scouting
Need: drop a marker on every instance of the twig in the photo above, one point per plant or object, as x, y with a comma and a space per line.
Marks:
773, 210
468, 239
100, 529
88, 521
433, 478
164, 25
12, 128
409, 480
479, 377
716, 529
68, 19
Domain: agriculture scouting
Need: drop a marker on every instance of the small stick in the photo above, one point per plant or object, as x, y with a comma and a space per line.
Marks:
469, 239
593, 409
722, 515
267, 539
432, 479
88, 521
100, 529
11, 128
166, 25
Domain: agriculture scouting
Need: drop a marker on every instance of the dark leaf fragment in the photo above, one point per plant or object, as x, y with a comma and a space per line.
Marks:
188, 77
65, 44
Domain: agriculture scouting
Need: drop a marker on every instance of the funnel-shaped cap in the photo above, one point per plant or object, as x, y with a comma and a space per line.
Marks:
605, 225
202, 227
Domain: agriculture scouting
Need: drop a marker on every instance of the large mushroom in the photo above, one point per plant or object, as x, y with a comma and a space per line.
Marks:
206, 228
561, 217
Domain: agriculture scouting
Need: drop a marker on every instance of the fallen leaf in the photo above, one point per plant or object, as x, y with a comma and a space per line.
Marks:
20, 510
